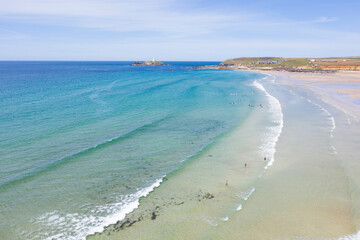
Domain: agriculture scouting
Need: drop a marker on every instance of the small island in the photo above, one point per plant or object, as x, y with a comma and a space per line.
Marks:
153, 62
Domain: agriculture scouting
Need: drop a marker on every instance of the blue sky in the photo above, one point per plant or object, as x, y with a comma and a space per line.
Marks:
177, 30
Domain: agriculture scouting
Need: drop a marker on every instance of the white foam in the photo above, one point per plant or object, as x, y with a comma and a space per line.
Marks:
332, 119
214, 221
269, 77
268, 147
77, 226
334, 149
224, 219
239, 207
245, 195
355, 236
333, 126
210, 221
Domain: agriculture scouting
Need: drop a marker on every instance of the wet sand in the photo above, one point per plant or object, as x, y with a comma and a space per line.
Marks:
349, 92
346, 83
312, 191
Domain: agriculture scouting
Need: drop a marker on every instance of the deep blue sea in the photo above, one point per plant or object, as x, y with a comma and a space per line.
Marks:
81, 142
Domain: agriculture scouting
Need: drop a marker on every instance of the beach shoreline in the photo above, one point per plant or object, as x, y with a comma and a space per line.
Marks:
340, 89
328, 211
200, 184
340, 92
288, 156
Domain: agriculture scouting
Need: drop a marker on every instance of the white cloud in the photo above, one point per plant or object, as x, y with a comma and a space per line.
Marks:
326, 19
158, 16
167, 27
141, 15
63, 7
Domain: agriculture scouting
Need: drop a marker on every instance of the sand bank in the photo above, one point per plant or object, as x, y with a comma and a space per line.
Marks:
344, 82
340, 89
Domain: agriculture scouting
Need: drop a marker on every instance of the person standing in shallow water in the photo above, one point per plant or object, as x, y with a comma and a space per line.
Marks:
245, 165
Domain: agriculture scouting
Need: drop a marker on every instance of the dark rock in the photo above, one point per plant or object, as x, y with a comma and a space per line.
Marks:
136, 64
131, 223
208, 196
124, 223
155, 213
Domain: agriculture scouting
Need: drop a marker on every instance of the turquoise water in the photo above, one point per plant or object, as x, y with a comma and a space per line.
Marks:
81, 142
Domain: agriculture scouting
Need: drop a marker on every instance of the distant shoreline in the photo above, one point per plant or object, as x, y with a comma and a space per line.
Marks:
328, 65
340, 89
278, 69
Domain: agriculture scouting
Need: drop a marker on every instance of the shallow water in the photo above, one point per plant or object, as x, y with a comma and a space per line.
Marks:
83, 141
146, 154
310, 190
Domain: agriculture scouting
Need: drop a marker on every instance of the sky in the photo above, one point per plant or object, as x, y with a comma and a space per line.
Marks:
183, 30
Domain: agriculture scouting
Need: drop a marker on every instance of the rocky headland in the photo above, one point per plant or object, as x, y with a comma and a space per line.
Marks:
310, 65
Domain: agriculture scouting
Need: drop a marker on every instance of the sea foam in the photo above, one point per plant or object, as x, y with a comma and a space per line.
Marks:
77, 226
268, 147
245, 195
331, 119
239, 207
355, 236
214, 221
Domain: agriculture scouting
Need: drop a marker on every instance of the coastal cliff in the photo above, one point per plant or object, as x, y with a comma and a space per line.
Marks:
289, 64
332, 63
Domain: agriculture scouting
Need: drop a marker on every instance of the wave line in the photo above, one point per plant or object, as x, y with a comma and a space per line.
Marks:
23, 177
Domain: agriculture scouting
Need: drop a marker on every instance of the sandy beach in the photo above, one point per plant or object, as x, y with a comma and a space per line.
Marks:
346, 83
309, 187
341, 89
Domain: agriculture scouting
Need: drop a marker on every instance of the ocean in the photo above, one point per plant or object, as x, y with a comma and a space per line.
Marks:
81, 142
105, 150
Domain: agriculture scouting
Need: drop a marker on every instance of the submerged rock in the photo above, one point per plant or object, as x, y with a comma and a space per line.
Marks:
208, 196
155, 213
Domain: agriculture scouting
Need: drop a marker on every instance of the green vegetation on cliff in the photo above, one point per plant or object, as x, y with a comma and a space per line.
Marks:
332, 63
267, 62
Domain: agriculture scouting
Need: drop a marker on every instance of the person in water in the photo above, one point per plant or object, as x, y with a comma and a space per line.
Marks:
227, 183
245, 165
264, 158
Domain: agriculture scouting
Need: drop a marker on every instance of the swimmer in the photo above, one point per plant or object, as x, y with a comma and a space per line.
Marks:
264, 158
227, 183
